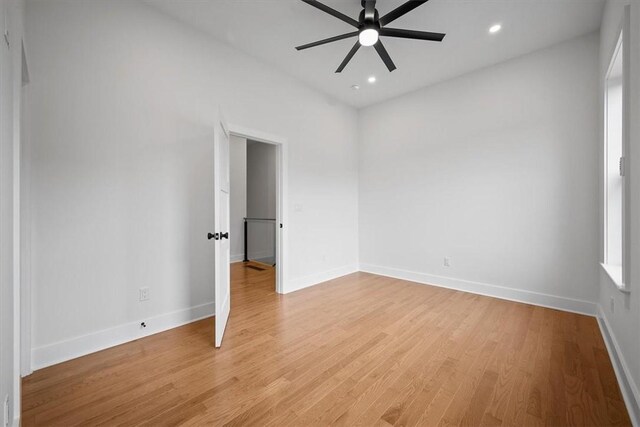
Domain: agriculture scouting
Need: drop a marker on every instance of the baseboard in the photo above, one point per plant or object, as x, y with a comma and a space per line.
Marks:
628, 386
59, 352
16, 421
317, 278
261, 255
237, 258
511, 294
75, 347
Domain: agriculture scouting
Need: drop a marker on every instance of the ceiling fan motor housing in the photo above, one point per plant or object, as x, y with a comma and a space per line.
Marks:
370, 26
375, 19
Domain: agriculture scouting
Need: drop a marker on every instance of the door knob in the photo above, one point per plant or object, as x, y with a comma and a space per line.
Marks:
213, 236
224, 235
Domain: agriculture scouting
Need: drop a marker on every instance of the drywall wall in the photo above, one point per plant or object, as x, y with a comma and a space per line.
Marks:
261, 199
620, 312
495, 171
122, 113
238, 196
261, 180
11, 25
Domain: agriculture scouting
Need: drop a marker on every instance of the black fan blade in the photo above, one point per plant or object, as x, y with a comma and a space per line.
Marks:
332, 12
411, 34
352, 52
384, 55
369, 10
400, 10
329, 40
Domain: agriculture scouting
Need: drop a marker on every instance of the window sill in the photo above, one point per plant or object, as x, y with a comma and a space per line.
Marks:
615, 274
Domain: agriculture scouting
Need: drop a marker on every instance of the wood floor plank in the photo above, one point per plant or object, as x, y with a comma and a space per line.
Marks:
358, 350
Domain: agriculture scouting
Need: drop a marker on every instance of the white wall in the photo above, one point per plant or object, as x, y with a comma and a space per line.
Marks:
123, 102
622, 323
11, 22
238, 196
261, 180
261, 198
494, 169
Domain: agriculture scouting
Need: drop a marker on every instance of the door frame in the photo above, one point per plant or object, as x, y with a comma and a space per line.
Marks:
24, 289
281, 192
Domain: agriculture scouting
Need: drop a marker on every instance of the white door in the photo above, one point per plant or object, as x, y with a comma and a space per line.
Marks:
220, 235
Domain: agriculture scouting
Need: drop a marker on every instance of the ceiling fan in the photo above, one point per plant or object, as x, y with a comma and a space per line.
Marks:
370, 27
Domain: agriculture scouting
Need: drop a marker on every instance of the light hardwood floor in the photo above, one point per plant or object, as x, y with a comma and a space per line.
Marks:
359, 350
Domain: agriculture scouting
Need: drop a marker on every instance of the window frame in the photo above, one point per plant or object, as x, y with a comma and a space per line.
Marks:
620, 275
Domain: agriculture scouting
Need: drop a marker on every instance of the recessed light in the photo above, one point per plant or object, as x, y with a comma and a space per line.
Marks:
495, 28
355, 87
372, 79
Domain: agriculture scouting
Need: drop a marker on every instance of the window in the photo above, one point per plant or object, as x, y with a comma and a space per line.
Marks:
615, 135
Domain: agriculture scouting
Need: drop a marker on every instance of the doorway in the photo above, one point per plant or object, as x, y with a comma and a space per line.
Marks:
257, 199
226, 139
253, 202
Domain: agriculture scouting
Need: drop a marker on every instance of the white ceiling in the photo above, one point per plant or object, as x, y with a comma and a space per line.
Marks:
270, 29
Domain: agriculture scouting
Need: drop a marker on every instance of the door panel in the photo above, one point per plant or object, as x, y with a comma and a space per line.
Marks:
222, 247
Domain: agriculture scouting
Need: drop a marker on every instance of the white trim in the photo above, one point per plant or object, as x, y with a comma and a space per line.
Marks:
90, 343
623, 40
79, 346
627, 385
318, 278
16, 269
626, 149
615, 275
502, 292
255, 135
25, 242
282, 216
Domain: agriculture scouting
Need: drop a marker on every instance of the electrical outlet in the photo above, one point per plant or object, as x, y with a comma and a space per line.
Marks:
612, 303
447, 261
144, 294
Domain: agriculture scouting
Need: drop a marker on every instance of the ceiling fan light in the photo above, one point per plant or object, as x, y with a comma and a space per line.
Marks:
368, 37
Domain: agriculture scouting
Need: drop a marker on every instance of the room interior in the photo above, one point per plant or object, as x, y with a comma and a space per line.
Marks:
455, 217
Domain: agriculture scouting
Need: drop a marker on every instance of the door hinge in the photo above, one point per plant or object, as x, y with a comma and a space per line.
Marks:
621, 166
